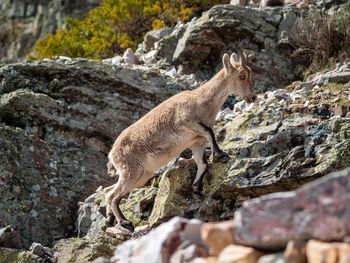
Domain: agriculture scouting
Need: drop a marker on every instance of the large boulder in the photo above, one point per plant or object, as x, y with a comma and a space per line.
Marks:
160, 244
318, 210
58, 122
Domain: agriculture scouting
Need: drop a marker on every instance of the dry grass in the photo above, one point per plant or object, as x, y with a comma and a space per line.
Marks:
324, 39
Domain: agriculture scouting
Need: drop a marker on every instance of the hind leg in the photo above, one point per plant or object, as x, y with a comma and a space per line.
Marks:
127, 181
109, 214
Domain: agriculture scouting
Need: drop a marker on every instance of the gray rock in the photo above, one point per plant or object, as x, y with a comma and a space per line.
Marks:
90, 221
101, 260
238, 2
224, 28
155, 35
9, 238
286, 29
58, 122
187, 252
307, 85
342, 77
273, 258
166, 46
41, 251
129, 57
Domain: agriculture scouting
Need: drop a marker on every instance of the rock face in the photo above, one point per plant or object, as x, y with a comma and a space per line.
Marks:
271, 150
266, 35
318, 210
58, 122
22, 23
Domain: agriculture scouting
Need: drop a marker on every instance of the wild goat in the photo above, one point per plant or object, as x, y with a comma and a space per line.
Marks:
182, 121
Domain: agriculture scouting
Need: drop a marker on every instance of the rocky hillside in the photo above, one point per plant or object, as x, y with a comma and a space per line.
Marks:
23, 22
59, 118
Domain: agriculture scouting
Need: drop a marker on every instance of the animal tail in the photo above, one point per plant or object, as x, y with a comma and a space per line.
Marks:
111, 171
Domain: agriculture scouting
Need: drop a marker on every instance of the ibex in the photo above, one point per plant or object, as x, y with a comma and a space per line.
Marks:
182, 121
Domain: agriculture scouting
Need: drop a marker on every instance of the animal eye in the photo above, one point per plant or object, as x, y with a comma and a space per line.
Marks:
242, 77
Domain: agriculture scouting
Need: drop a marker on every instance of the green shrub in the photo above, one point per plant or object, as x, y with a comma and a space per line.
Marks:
114, 26
325, 38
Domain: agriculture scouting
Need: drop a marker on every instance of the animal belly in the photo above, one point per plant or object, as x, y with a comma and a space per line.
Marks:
156, 161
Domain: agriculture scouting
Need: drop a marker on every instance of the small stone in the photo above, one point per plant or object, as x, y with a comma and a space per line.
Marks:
273, 258
143, 229
171, 73
153, 36
129, 57
39, 250
204, 260
340, 110
296, 107
239, 2
118, 232
343, 250
188, 251
335, 100
307, 85
320, 252
101, 260
295, 252
150, 58
218, 235
239, 254
115, 60
295, 96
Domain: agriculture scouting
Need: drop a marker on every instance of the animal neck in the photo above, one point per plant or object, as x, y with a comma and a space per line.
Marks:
215, 91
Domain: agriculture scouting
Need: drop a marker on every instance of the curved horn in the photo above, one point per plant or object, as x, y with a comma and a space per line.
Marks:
242, 57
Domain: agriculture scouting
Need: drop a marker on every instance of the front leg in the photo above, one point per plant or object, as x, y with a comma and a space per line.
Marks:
218, 154
198, 151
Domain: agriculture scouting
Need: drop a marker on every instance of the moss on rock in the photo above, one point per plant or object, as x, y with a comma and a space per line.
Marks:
9, 255
80, 250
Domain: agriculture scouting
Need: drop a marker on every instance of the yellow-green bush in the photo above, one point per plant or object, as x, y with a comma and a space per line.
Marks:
114, 26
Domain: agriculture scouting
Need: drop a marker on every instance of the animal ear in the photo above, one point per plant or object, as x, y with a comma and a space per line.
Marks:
227, 64
233, 58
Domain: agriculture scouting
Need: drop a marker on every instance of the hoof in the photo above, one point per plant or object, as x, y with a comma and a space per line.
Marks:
222, 158
128, 225
198, 196
110, 221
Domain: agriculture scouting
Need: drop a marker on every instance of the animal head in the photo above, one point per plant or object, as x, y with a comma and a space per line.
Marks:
238, 76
